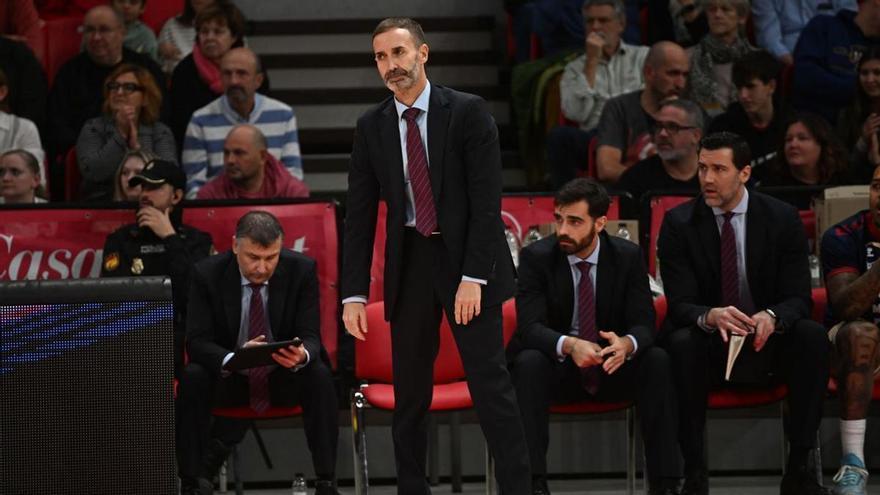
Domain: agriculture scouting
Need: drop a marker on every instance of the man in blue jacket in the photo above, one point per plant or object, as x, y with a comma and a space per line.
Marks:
826, 57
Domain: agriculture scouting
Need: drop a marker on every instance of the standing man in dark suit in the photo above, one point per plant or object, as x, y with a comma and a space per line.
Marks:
432, 153
255, 294
734, 262
584, 295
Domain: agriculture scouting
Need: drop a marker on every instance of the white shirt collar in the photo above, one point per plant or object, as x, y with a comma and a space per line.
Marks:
421, 102
246, 282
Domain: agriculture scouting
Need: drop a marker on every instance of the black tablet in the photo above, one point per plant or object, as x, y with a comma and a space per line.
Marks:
260, 355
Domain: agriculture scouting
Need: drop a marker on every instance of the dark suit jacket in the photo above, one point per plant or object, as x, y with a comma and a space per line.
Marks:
689, 248
214, 311
465, 171
545, 296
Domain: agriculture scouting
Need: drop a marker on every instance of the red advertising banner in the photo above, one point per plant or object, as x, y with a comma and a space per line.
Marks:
68, 243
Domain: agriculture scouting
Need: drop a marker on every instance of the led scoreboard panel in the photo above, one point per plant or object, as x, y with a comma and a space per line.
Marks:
86, 392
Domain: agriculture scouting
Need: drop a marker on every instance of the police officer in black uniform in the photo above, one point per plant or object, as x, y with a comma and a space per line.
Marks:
158, 243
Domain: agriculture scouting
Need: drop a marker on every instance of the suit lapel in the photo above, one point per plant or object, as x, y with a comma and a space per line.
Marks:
232, 297
604, 283
565, 287
710, 239
389, 134
278, 286
438, 123
754, 233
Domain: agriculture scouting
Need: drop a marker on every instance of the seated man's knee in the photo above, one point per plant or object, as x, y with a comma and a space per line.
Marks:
681, 342
530, 362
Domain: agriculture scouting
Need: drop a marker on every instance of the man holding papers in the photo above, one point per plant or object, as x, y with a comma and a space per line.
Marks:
734, 263
255, 294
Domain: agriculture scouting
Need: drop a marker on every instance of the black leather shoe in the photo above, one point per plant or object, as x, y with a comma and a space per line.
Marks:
539, 487
206, 487
696, 483
801, 481
325, 487
663, 486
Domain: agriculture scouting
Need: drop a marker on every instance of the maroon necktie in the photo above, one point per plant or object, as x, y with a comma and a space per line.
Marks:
729, 270
587, 323
417, 165
258, 378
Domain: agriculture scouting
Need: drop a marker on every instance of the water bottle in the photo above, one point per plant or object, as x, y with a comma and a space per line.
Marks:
815, 276
531, 236
623, 232
299, 486
513, 245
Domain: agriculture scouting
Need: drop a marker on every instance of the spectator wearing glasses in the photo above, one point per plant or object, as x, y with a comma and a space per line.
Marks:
130, 122
20, 178
78, 90
678, 127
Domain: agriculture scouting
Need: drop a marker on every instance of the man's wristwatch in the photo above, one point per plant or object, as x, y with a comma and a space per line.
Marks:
772, 314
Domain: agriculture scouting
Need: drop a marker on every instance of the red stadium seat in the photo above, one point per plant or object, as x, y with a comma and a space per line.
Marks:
659, 206
246, 413
587, 406
373, 370
159, 11
72, 176
62, 43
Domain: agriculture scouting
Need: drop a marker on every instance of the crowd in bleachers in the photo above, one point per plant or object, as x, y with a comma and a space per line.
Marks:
795, 79
87, 104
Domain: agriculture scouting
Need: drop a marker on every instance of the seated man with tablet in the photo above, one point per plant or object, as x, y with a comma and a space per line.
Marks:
253, 338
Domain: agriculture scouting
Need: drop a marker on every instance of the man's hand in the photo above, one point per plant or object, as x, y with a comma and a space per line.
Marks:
157, 221
595, 46
583, 352
616, 352
354, 316
765, 325
259, 340
290, 356
467, 302
730, 319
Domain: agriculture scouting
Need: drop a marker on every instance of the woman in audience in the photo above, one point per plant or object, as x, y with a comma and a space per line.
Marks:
178, 34
132, 102
859, 123
196, 79
20, 178
18, 132
710, 81
812, 155
132, 163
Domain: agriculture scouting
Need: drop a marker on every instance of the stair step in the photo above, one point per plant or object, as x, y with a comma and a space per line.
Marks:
336, 60
367, 76
338, 140
365, 26
345, 116
360, 43
296, 97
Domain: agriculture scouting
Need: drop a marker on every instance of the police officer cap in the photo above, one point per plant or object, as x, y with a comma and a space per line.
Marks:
158, 172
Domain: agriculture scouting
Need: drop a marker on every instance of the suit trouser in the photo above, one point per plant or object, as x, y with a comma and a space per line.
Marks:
426, 289
799, 358
541, 380
311, 387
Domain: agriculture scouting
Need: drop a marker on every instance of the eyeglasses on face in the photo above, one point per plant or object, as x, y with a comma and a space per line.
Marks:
127, 88
87, 30
670, 127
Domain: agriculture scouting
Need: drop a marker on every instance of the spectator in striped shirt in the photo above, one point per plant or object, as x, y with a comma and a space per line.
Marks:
240, 104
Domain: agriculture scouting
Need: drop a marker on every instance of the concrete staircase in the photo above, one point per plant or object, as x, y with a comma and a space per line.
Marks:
318, 58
